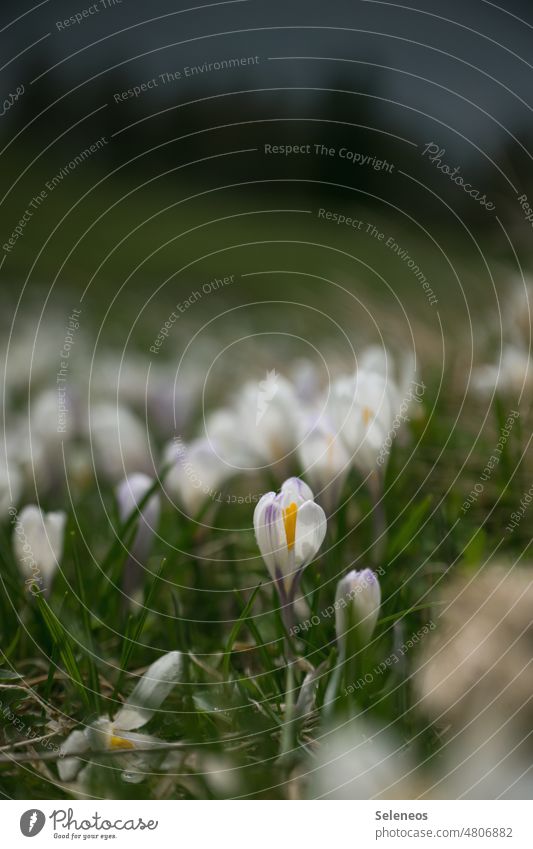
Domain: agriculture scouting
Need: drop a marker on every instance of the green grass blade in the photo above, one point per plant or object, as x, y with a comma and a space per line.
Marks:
62, 640
237, 625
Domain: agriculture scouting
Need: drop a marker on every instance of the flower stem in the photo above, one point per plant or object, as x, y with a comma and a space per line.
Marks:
287, 730
379, 520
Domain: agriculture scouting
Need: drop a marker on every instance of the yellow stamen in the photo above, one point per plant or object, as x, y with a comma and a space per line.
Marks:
367, 415
289, 520
120, 743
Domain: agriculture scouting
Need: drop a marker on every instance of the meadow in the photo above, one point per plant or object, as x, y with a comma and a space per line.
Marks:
245, 491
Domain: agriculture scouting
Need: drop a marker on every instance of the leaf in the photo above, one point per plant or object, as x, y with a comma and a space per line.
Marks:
261, 645
13, 645
134, 630
211, 701
9, 675
250, 686
402, 613
64, 644
94, 682
306, 701
235, 631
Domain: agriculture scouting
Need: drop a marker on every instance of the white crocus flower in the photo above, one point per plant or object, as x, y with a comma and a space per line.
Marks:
37, 461
305, 378
400, 373
289, 529
362, 409
267, 412
45, 422
119, 441
375, 358
223, 429
196, 473
120, 733
513, 374
41, 434
38, 544
357, 604
170, 399
325, 460
31, 351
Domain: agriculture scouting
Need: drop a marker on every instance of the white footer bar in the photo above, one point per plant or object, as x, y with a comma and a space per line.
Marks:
270, 824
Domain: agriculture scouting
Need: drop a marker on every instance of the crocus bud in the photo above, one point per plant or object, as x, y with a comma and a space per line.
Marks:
357, 604
130, 493
38, 544
289, 529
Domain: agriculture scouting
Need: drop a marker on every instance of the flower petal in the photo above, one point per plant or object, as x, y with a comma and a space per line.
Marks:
359, 593
295, 489
98, 734
150, 692
67, 766
310, 532
326, 461
270, 534
139, 765
267, 414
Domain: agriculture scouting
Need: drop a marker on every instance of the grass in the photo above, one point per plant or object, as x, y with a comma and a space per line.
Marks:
252, 703
76, 654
